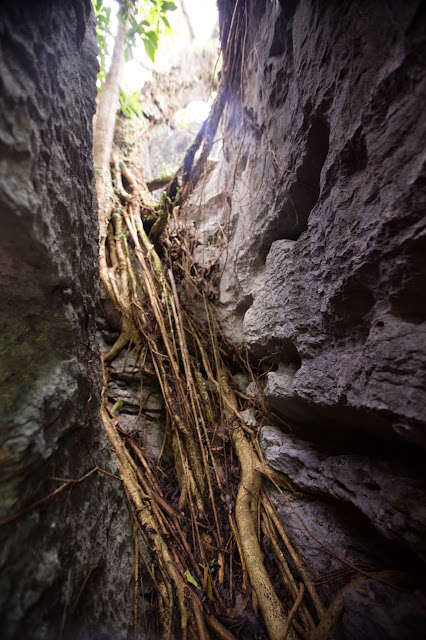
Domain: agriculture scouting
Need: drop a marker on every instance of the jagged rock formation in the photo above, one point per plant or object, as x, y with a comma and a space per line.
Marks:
319, 194
322, 195
67, 565
315, 214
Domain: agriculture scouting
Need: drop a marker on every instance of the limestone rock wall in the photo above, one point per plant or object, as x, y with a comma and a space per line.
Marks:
322, 192
315, 214
66, 566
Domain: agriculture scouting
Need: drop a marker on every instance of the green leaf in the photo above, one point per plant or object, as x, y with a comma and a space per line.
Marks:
117, 406
132, 31
166, 22
153, 37
191, 580
130, 105
147, 21
149, 49
209, 588
168, 6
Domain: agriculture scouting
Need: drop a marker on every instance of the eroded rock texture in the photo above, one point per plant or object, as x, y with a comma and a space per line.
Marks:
320, 193
323, 194
65, 567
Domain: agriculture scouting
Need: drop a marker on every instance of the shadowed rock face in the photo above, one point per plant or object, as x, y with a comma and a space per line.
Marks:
393, 502
324, 154
320, 188
69, 563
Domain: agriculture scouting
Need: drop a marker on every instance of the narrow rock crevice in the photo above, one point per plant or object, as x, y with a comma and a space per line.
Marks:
308, 232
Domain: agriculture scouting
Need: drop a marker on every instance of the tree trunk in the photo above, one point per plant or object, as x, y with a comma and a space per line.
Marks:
187, 20
103, 133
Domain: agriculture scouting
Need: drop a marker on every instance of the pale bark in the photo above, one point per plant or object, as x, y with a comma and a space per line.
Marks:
104, 123
187, 20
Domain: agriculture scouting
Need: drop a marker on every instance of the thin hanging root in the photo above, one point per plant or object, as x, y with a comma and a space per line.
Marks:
136, 589
179, 466
246, 510
199, 618
195, 402
293, 611
245, 588
145, 519
286, 575
294, 556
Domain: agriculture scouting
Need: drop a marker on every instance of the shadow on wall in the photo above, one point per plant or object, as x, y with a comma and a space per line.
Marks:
303, 194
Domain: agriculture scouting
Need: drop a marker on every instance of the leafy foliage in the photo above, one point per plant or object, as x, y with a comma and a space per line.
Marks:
191, 579
103, 30
167, 169
130, 105
147, 19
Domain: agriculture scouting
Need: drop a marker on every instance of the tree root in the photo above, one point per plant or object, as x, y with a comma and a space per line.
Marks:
207, 559
38, 503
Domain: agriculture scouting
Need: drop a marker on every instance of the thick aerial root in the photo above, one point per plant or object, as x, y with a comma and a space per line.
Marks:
330, 620
269, 603
165, 610
120, 344
245, 511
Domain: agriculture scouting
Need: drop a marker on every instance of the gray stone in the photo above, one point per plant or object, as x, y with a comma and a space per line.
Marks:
323, 535
374, 610
125, 366
249, 417
133, 395
320, 192
391, 500
242, 381
165, 150
150, 432
69, 562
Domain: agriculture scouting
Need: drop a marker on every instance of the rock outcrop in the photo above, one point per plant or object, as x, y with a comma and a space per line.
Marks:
65, 566
389, 497
321, 189
315, 214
